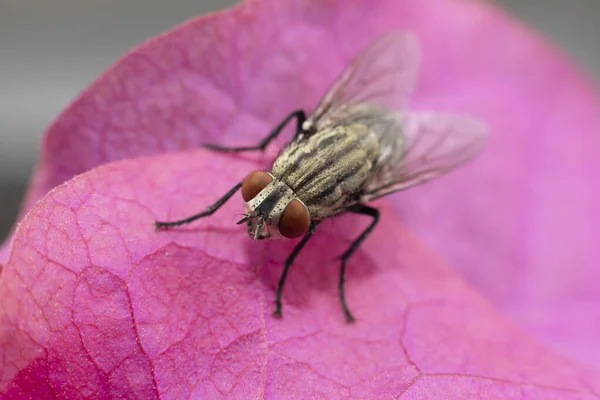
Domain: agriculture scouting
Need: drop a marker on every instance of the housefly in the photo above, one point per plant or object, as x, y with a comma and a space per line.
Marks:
360, 143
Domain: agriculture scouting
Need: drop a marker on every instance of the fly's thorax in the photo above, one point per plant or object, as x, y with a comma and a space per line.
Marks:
272, 210
327, 169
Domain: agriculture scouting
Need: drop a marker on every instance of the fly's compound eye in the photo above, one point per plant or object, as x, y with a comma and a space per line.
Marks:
295, 220
254, 183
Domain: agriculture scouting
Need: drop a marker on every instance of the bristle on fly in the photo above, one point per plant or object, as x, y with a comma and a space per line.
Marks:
245, 218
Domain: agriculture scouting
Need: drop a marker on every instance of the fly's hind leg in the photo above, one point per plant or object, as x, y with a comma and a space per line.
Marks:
300, 118
373, 213
209, 211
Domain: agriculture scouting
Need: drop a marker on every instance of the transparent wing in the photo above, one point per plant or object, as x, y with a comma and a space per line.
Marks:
418, 146
383, 74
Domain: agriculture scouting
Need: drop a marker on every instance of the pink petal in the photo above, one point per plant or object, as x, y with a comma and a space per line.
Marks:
97, 304
520, 223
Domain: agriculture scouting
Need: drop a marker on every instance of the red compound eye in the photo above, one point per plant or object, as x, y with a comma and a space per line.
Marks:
254, 183
295, 220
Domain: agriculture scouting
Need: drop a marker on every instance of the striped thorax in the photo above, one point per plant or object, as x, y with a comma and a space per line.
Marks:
324, 174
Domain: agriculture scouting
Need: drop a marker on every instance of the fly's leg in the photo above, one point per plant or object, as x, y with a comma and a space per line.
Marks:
288, 263
300, 118
209, 211
373, 213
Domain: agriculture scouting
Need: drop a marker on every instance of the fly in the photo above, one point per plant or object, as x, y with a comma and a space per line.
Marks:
360, 143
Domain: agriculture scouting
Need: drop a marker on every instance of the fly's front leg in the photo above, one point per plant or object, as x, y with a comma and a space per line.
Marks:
373, 213
300, 118
288, 263
209, 211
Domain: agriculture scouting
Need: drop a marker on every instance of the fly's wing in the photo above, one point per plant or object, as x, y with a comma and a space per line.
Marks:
383, 74
375, 91
418, 146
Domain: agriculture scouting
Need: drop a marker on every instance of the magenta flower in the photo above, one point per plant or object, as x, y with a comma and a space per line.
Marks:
95, 304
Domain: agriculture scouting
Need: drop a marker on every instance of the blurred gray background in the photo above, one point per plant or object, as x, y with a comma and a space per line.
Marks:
50, 50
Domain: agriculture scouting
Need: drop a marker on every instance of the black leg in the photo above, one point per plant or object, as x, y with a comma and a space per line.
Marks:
288, 264
205, 213
300, 118
373, 213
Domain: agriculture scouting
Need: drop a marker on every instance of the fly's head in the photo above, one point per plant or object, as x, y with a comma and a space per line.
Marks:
272, 210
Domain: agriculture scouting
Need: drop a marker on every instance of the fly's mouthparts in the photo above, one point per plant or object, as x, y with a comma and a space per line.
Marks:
258, 228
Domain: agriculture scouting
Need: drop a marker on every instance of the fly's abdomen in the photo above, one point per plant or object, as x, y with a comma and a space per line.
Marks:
327, 170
